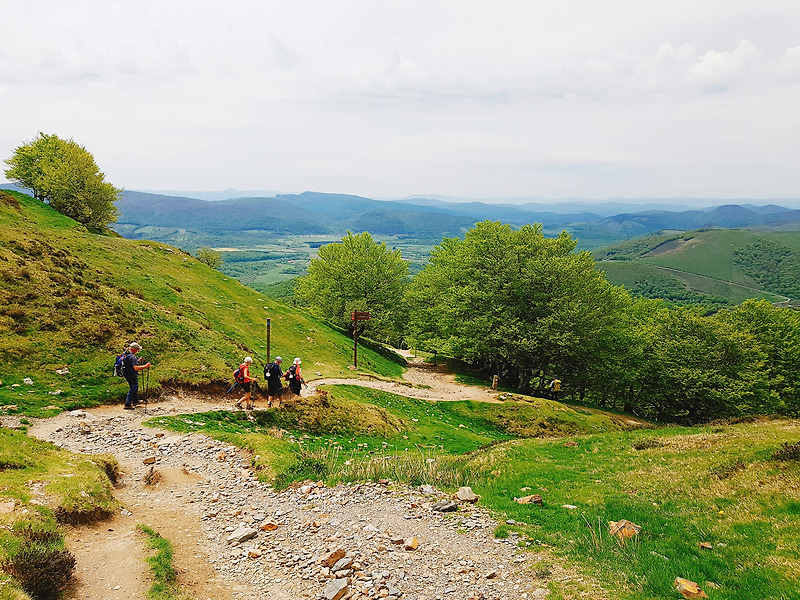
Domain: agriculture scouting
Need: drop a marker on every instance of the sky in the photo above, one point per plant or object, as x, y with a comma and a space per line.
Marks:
524, 99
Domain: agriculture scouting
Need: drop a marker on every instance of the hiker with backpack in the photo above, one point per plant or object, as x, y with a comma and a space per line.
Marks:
273, 374
295, 377
243, 378
130, 368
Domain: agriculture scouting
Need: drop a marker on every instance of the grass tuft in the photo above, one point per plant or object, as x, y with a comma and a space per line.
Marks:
165, 585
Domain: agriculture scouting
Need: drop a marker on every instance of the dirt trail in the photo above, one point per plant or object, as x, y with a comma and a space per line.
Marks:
421, 380
110, 554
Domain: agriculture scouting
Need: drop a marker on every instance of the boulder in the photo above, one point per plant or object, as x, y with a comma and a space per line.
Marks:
336, 589
241, 534
465, 494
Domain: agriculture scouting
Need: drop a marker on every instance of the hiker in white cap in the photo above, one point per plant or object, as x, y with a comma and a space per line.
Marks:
295, 377
130, 369
244, 368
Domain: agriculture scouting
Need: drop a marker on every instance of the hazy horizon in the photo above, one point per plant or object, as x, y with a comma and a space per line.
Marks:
513, 99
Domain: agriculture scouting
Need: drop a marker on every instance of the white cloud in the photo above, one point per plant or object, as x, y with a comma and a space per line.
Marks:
719, 71
400, 97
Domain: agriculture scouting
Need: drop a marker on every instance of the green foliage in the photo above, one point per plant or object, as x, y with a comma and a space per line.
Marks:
73, 300
517, 303
672, 490
64, 174
209, 257
773, 265
357, 274
31, 543
42, 567
305, 467
165, 585
788, 451
350, 429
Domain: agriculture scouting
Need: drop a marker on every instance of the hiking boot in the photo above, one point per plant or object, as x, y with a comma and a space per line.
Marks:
128, 407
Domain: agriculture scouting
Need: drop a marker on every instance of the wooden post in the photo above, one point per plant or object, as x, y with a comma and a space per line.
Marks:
269, 356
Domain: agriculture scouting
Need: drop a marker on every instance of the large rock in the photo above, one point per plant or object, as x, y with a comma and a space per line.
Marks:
336, 589
241, 534
332, 558
445, 506
465, 494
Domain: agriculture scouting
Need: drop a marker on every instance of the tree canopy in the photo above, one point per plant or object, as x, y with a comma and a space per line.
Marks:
357, 274
64, 174
521, 304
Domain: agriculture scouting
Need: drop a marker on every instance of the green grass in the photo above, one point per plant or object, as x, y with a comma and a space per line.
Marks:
718, 484
48, 486
165, 586
71, 299
696, 267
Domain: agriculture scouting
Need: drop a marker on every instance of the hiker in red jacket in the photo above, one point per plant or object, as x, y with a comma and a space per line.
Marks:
244, 368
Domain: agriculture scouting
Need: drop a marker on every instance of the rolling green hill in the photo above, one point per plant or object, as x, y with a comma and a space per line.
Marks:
714, 266
72, 300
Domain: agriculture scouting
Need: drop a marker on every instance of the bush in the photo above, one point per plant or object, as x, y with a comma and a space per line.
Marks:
788, 451
305, 467
647, 443
40, 563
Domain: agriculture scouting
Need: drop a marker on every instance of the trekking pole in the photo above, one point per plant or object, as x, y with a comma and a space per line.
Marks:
146, 387
230, 389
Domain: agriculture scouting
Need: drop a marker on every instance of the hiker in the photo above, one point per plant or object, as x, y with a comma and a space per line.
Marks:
244, 368
555, 387
295, 377
130, 369
273, 374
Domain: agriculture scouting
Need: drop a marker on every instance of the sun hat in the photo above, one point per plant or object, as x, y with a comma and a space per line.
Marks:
297, 361
134, 345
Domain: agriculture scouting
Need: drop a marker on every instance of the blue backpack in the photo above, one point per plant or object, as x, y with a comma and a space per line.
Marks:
119, 364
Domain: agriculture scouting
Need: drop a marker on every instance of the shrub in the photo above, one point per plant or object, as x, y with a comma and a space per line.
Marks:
788, 451
40, 563
647, 443
307, 466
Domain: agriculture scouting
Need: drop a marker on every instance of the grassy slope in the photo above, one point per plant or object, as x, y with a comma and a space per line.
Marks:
704, 253
685, 486
72, 299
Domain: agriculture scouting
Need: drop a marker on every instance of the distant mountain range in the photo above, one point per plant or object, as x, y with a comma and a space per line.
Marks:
314, 213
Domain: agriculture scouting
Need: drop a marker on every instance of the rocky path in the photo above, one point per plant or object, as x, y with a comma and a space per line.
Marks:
237, 538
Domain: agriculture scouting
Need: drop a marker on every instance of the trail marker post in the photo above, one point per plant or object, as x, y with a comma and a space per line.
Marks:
357, 316
268, 336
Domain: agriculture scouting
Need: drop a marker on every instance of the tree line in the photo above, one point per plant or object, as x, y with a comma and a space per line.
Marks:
514, 303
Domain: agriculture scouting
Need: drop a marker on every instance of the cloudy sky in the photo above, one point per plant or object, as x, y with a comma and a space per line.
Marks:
383, 98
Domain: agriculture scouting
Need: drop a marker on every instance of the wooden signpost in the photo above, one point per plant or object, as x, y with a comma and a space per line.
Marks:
356, 317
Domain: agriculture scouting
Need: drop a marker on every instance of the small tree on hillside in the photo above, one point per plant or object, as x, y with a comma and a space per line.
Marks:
357, 274
210, 257
64, 174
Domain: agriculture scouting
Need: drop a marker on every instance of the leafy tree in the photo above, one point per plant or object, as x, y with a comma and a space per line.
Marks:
64, 174
357, 274
210, 257
516, 303
777, 333
693, 368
